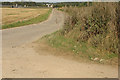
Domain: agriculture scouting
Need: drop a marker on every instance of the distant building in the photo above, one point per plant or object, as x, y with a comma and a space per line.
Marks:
25, 6
49, 5
15, 6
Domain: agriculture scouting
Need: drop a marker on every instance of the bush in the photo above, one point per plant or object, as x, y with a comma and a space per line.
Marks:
96, 24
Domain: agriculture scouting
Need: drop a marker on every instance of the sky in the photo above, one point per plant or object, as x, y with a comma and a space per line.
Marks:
47, 0
61, 0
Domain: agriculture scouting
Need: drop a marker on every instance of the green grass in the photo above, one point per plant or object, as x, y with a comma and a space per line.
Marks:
81, 49
38, 19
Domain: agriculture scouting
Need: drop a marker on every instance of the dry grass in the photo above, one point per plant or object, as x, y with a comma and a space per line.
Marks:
11, 15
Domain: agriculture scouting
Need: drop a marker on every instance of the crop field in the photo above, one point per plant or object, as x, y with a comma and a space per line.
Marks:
11, 15
14, 15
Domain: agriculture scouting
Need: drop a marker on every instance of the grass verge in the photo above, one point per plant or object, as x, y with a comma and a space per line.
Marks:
38, 19
81, 49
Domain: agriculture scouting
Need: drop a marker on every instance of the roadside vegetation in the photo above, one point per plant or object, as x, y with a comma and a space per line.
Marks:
89, 32
15, 17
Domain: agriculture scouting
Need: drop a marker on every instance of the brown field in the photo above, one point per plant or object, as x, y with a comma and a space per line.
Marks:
11, 15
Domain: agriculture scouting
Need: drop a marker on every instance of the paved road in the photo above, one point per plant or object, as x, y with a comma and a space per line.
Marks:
21, 61
25, 34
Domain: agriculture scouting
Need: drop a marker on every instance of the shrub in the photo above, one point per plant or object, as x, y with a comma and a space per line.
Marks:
96, 24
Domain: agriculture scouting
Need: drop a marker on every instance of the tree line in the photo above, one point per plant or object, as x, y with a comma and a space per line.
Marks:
43, 4
68, 4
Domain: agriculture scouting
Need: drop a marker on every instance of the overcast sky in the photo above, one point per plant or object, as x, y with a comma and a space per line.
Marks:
62, 0
48, 0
